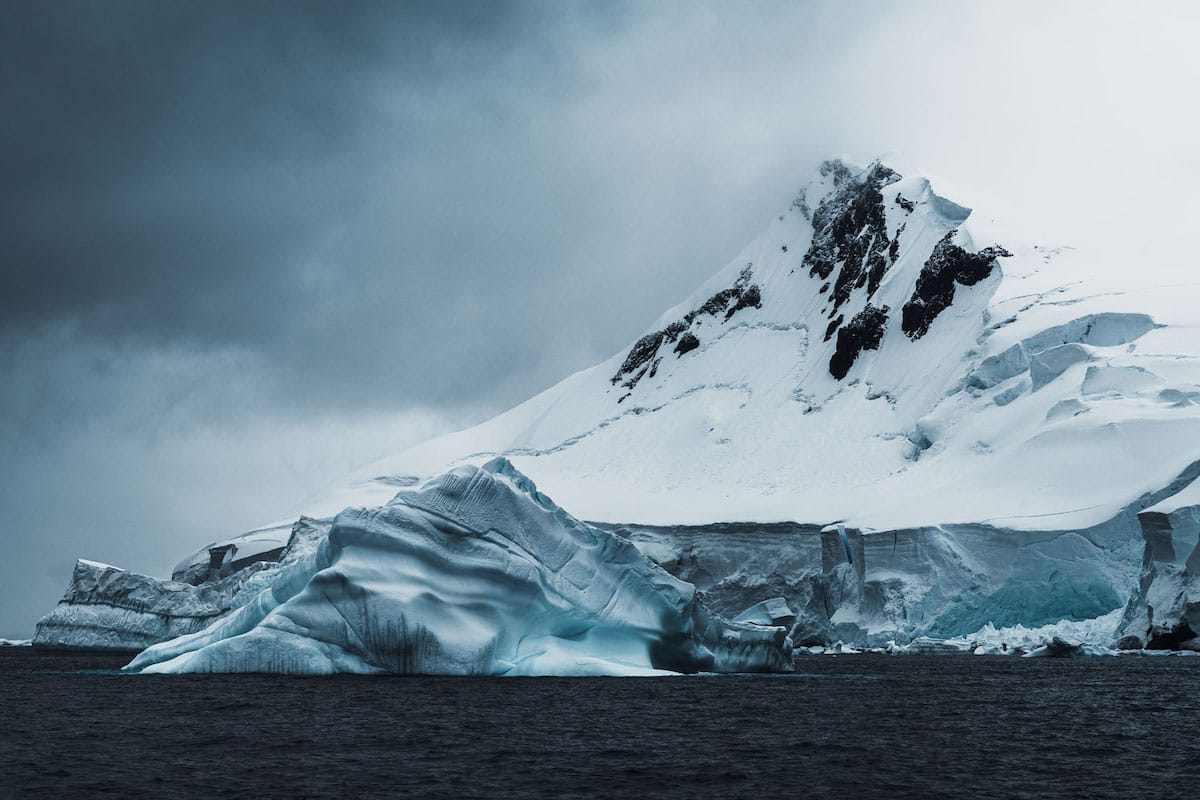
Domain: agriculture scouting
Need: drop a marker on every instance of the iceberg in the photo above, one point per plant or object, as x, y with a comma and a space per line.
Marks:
476, 572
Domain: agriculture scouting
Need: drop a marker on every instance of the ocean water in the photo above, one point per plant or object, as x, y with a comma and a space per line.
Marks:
844, 726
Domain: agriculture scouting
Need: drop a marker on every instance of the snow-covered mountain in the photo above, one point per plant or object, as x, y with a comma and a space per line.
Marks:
871, 357
898, 419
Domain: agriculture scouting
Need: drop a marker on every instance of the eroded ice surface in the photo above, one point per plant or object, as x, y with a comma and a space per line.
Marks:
107, 607
474, 573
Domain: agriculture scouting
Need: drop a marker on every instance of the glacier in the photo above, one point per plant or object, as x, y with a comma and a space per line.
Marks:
474, 573
899, 419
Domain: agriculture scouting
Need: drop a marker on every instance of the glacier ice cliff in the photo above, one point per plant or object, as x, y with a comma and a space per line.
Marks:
1164, 613
474, 573
106, 607
872, 588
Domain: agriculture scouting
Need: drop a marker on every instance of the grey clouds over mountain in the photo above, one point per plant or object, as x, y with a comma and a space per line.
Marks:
246, 246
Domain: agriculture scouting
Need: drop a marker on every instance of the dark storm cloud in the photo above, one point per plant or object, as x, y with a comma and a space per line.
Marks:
257, 174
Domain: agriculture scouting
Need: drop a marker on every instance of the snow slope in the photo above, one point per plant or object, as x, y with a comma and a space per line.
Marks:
1035, 398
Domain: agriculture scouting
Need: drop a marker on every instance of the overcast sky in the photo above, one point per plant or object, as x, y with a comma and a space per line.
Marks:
246, 247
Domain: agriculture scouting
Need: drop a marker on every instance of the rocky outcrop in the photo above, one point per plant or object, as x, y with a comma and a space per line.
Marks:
946, 266
863, 332
850, 236
643, 357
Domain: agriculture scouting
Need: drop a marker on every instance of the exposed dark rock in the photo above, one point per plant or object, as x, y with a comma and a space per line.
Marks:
835, 168
801, 204
1129, 643
687, 343
894, 247
850, 235
751, 298
863, 332
1169, 637
832, 327
946, 266
642, 351
1059, 647
905, 203
643, 358
729, 300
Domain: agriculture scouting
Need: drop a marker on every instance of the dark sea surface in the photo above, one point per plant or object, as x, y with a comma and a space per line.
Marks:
843, 726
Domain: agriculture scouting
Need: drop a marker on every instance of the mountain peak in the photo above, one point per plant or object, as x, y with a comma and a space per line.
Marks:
859, 228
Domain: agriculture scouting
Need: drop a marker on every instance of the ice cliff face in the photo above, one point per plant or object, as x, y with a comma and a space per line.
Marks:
474, 573
107, 607
1164, 613
997, 426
